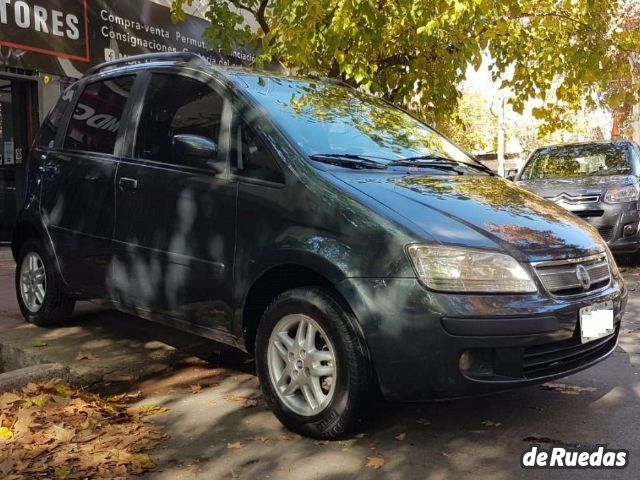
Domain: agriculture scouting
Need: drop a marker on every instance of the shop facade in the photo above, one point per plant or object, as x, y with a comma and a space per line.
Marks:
46, 44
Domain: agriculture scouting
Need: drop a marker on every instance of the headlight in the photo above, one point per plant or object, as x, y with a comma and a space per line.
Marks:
613, 266
628, 193
453, 269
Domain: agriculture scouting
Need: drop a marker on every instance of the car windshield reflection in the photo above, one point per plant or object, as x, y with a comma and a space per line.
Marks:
334, 119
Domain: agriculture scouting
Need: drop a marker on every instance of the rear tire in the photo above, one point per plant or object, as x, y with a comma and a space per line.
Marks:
312, 363
39, 288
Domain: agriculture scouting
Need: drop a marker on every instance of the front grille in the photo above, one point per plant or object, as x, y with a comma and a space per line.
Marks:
575, 200
559, 356
560, 277
607, 233
588, 213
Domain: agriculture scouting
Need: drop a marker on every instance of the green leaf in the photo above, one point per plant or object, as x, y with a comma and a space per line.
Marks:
63, 390
420, 51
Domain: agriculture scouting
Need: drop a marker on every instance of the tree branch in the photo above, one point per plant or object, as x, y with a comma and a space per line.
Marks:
556, 15
240, 6
394, 60
261, 17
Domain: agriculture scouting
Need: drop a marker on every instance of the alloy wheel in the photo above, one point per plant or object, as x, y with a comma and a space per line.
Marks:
302, 364
33, 281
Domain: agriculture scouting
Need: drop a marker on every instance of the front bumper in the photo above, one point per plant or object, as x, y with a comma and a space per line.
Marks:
428, 345
618, 224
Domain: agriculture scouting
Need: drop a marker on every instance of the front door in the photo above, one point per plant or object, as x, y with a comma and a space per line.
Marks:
175, 220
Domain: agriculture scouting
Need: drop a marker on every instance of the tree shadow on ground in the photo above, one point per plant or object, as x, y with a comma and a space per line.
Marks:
226, 431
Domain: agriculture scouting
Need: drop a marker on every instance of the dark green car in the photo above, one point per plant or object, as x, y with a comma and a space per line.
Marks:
352, 248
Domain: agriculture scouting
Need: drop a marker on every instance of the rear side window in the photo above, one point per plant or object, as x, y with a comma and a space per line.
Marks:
49, 128
253, 158
176, 105
96, 119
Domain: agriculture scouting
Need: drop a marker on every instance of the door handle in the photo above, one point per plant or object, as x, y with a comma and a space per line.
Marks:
48, 170
125, 183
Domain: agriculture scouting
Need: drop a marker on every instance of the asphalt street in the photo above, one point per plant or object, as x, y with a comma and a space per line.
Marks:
219, 426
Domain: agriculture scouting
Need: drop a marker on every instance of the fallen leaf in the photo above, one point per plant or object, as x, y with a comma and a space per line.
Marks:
290, 436
85, 356
61, 434
143, 461
235, 398
321, 442
375, 462
7, 399
491, 423
124, 397
566, 389
31, 388
247, 402
62, 472
234, 445
345, 449
196, 388
37, 401
56, 431
401, 436
63, 389
149, 409
262, 439
39, 344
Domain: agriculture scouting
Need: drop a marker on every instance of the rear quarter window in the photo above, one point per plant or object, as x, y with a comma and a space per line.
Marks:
49, 128
96, 119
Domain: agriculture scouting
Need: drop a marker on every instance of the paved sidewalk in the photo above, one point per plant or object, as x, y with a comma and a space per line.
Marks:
223, 430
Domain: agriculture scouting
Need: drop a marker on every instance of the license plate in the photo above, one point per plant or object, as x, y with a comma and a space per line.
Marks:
596, 321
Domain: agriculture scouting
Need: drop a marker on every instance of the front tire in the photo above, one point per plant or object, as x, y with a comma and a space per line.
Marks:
39, 288
312, 363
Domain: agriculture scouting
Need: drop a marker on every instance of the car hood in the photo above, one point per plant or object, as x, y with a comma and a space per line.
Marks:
596, 185
480, 212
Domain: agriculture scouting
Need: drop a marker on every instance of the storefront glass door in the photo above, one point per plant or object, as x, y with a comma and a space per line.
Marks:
16, 107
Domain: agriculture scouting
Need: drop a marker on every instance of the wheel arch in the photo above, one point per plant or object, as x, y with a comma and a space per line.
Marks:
22, 232
277, 279
27, 228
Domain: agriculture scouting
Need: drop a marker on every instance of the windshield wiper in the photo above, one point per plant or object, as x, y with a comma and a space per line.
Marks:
347, 160
440, 162
430, 161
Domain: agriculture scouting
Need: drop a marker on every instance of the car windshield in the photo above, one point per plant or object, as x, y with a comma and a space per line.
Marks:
577, 161
330, 119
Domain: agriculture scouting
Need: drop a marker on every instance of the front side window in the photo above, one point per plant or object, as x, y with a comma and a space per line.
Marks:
578, 161
49, 128
96, 120
176, 105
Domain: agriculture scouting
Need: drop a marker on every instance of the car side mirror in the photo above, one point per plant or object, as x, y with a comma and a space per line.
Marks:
511, 174
194, 150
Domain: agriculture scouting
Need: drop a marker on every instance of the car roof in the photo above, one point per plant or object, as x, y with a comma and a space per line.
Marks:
586, 143
240, 76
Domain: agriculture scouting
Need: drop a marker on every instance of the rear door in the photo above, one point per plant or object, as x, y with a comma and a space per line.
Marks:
175, 221
77, 178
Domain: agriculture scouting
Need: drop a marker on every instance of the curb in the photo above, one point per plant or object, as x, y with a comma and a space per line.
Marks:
16, 379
